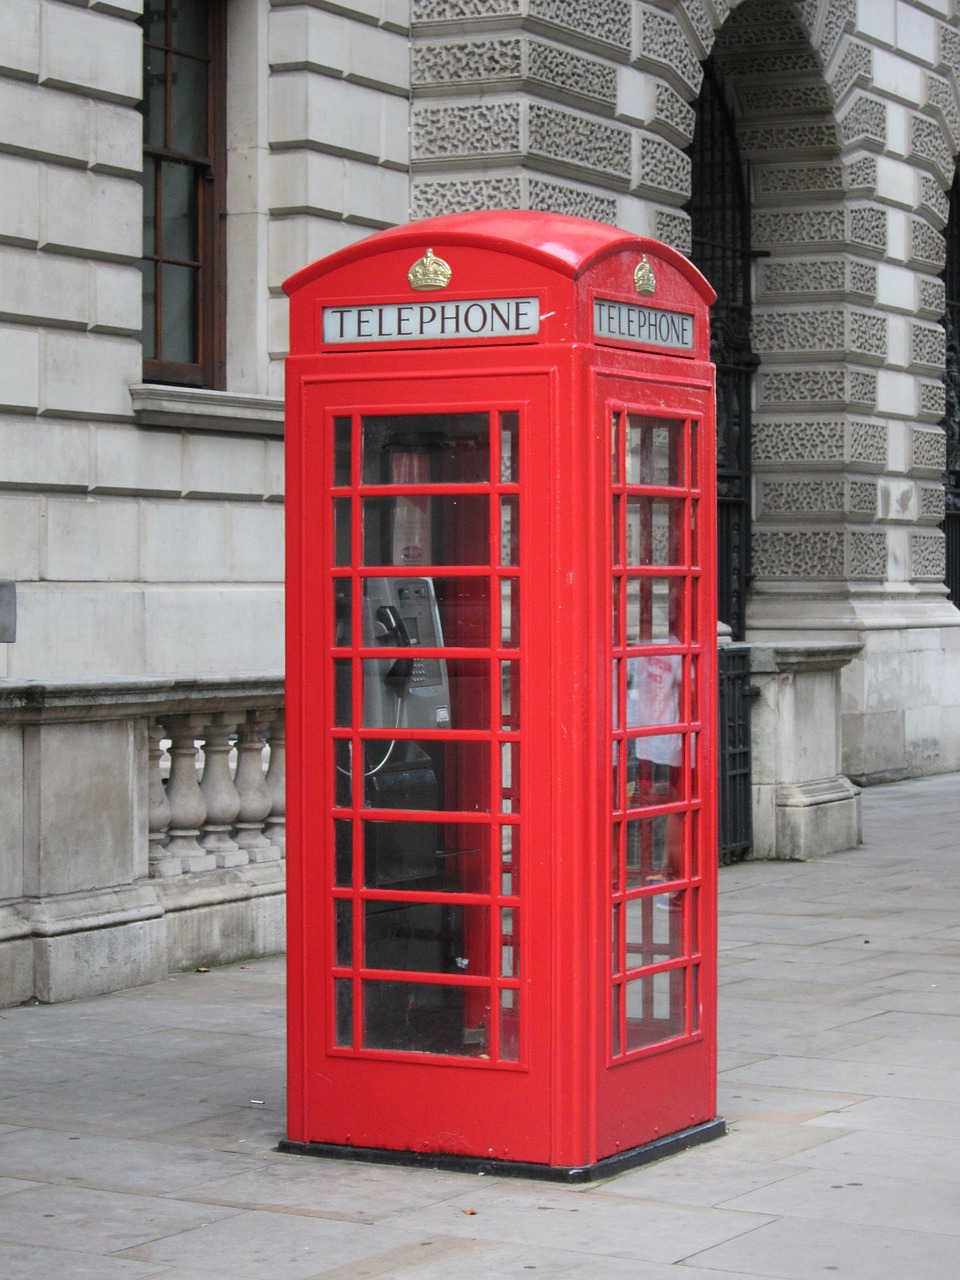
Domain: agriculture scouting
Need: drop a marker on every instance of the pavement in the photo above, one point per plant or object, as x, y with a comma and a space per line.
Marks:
138, 1130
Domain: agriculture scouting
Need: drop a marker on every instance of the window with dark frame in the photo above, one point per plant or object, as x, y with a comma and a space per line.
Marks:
184, 164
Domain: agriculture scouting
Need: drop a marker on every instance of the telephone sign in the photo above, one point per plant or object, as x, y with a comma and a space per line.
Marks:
501, 685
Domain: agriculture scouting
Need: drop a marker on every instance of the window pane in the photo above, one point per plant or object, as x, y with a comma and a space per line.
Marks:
510, 1026
654, 451
178, 195
509, 455
426, 937
154, 98
190, 28
148, 182
148, 334
189, 121
428, 448
425, 693
444, 857
180, 306
655, 531
653, 690
654, 929
418, 1017
155, 21
655, 1009
427, 775
438, 529
654, 610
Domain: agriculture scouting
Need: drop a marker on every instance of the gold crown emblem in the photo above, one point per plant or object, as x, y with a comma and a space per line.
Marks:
429, 272
644, 278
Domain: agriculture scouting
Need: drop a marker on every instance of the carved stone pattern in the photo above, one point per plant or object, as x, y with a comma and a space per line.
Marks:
856, 64
588, 76
795, 331
862, 497
933, 399
928, 143
432, 198
866, 119
863, 387
863, 173
664, 167
700, 22
840, 15
472, 60
797, 442
453, 10
721, 9
929, 449
926, 243
869, 227
820, 179
674, 229
868, 554
932, 501
868, 333
933, 295
806, 496
806, 226
806, 276
802, 386
662, 40
767, 63
798, 553
928, 344
941, 95
934, 198
863, 278
794, 99
789, 138
949, 46
483, 128
605, 20
868, 443
808, 13
554, 197
579, 140
772, 23
928, 558
674, 112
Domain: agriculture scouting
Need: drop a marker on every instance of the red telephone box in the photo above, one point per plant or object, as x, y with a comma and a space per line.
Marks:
501, 684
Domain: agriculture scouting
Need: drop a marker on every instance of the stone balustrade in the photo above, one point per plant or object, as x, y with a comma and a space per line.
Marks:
141, 830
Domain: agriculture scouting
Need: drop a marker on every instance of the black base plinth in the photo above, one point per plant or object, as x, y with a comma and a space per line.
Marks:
609, 1167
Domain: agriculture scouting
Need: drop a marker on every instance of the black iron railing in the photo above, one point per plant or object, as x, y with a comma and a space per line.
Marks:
735, 799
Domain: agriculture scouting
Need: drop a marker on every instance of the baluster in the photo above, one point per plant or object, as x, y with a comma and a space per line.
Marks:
220, 794
276, 824
255, 800
188, 808
159, 859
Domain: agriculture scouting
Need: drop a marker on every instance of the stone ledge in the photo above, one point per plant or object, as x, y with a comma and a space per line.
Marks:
195, 409
110, 699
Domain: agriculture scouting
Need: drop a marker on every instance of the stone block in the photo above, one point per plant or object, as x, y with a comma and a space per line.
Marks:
91, 540
873, 745
91, 214
88, 375
19, 201
376, 196
20, 519
334, 45
895, 287
19, 375
223, 467
308, 182
92, 962
816, 820
347, 119
67, 632
225, 932
274, 484
44, 123
115, 298
182, 541
16, 971
44, 288
255, 543
896, 393
39, 454
764, 814
20, 38
116, 140
94, 53
126, 460
11, 814
917, 35
296, 242
213, 630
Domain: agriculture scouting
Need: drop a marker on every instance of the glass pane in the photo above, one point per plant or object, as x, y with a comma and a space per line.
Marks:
426, 448
656, 773
342, 624
343, 843
510, 1026
509, 613
343, 693
654, 849
190, 28
342, 773
344, 920
426, 937
615, 939
427, 775
655, 531
444, 857
615, 694
442, 529
155, 21
615, 1048
616, 772
189, 90
616, 538
654, 1009
417, 1017
615, 838
510, 777
617, 637
428, 612
148, 334
615, 448
654, 929
343, 996
654, 451
154, 98
425, 693
180, 312
510, 696
509, 942
510, 861
341, 533
342, 451
509, 448
149, 183
178, 195
654, 610
653, 690
694, 455
509, 532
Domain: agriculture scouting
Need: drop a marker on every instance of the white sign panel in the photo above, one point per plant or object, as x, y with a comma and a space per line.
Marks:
648, 325
421, 321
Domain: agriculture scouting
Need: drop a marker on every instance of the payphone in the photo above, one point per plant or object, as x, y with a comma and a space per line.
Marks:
501, 680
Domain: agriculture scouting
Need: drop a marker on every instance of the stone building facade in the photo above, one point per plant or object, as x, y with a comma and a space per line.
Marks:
141, 516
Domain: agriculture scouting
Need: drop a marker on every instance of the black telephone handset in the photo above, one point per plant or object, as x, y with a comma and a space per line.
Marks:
391, 626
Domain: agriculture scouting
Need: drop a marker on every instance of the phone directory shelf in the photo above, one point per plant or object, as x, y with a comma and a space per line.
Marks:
501, 687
